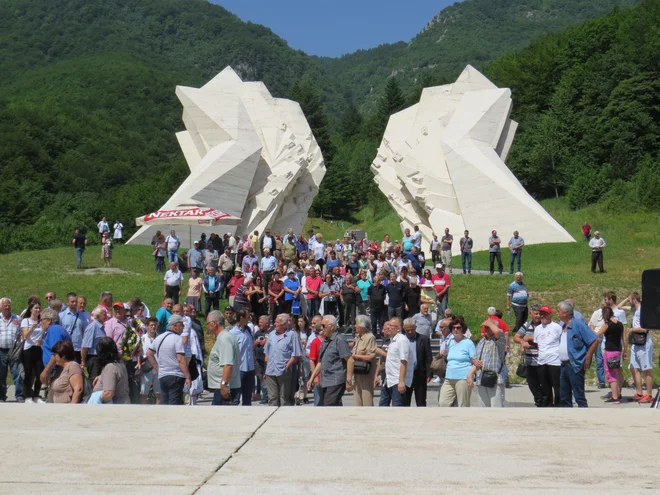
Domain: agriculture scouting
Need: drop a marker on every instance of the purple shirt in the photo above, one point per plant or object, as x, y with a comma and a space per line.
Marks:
116, 330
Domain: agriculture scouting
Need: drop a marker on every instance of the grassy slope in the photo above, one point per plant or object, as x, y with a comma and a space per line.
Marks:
553, 271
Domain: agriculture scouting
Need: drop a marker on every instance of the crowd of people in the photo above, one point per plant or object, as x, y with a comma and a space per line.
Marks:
310, 317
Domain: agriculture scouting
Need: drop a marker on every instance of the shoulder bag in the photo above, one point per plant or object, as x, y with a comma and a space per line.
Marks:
489, 377
521, 371
638, 338
16, 351
361, 367
439, 365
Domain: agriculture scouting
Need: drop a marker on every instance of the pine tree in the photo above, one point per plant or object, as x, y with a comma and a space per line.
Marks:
351, 122
310, 102
391, 102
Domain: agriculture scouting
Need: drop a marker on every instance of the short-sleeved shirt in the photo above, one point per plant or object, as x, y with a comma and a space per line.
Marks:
313, 283
279, 349
268, 263
399, 350
516, 243
225, 352
74, 326
423, 324
466, 244
492, 353
93, 335
172, 242
459, 359
334, 352
245, 340
114, 377
61, 387
446, 242
35, 335
195, 256
293, 286
548, 337
195, 287
315, 348
173, 278
531, 354
518, 293
364, 285
440, 282
54, 334
495, 248
79, 241
166, 354
276, 286
408, 244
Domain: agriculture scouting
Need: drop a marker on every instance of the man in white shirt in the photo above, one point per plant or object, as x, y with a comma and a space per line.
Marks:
399, 367
173, 282
173, 246
597, 244
547, 337
417, 238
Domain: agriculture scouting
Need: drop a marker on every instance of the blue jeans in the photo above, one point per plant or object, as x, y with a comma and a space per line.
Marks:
391, 395
173, 255
247, 387
600, 366
219, 400
513, 258
466, 257
443, 303
571, 384
15, 369
79, 253
171, 390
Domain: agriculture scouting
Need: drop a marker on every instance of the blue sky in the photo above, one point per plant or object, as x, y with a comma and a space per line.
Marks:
336, 27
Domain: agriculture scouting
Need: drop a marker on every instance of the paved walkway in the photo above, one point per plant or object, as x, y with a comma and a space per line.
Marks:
73, 450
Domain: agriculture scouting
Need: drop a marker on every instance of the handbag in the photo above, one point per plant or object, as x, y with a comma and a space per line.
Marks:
192, 369
439, 365
521, 371
614, 363
361, 367
489, 377
638, 338
16, 352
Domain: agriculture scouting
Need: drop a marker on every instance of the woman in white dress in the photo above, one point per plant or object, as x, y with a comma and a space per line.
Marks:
118, 234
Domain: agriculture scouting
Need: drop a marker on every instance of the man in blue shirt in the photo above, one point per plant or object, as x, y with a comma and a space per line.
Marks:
163, 315
72, 323
243, 336
576, 348
94, 332
517, 297
516, 245
54, 333
195, 257
282, 352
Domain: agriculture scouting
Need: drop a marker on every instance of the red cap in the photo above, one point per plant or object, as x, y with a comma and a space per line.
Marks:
545, 309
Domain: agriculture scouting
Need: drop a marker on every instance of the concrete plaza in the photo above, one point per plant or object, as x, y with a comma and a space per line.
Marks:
70, 450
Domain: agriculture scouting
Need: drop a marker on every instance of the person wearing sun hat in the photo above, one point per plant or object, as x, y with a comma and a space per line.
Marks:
547, 337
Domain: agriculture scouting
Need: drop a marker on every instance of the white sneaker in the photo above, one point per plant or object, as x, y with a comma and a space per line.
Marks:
436, 379
28, 401
39, 400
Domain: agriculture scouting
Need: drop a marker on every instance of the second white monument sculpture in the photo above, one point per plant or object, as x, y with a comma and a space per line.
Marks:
441, 164
249, 154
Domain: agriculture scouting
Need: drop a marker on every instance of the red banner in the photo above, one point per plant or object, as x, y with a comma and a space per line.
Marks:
189, 213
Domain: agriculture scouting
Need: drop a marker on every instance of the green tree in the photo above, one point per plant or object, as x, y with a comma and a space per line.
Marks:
350, 124
390, 102
309, 101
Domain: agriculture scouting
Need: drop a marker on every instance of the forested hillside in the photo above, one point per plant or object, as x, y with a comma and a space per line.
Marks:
88, 112
468, 32
588, 103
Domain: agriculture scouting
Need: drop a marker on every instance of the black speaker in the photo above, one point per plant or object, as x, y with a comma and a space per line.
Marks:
650, 318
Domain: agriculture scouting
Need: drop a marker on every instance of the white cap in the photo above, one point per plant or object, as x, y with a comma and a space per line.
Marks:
439, 265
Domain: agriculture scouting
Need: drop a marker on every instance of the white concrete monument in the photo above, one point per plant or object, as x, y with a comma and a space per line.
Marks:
441, 164
249, 154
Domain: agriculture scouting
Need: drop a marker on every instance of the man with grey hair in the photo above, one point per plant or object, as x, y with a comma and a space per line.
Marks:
335, 365
421, 350
91, 337
517, 296
167, 356
423, 321
282, 351
9, 331
224, 375
399, 366
577, 346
